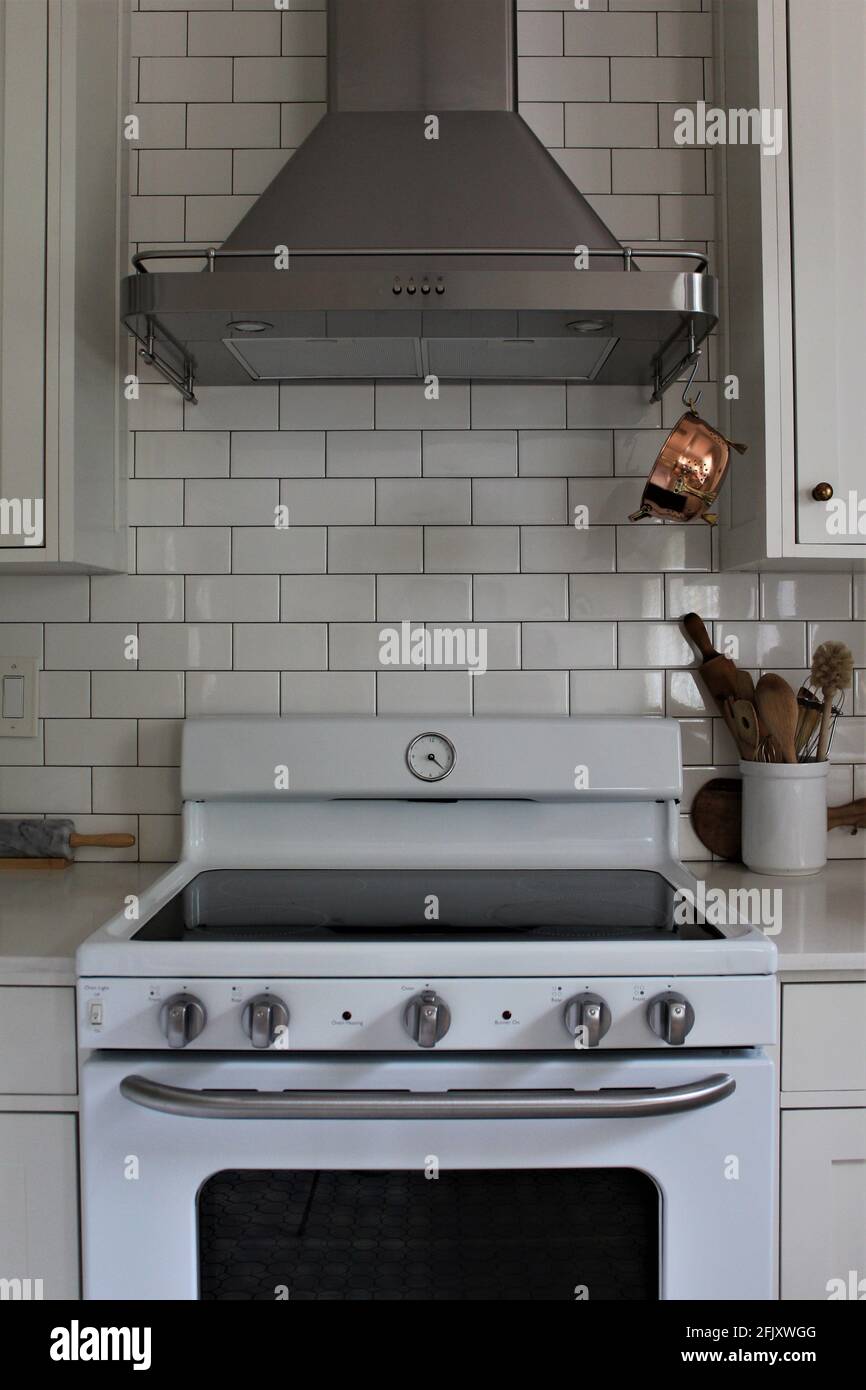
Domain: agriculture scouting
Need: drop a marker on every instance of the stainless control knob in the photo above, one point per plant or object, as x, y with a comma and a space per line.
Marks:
182, 1018
427, 1018
587, 1018
671, 1017
265, 1020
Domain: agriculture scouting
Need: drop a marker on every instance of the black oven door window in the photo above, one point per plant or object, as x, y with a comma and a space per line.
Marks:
548, 1235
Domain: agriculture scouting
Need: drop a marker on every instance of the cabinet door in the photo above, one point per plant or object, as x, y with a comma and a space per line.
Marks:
23, 209
38, 1206
823, 1203
827, 81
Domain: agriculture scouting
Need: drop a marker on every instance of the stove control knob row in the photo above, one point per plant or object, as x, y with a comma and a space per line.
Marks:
671, 1017
427, 1018
182, 1018
587, 1018
265, 1020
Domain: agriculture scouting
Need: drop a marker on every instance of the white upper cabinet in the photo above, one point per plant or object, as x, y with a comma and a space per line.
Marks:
793, 226
63, 223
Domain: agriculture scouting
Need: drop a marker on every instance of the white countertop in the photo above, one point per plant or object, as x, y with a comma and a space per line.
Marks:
44, 916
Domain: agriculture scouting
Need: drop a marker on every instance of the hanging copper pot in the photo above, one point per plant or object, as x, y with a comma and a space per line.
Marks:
687, 476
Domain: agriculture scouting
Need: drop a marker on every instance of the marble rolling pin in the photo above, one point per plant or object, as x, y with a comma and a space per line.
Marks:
48, 844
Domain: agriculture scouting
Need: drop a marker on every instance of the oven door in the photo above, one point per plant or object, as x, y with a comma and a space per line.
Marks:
628, 1176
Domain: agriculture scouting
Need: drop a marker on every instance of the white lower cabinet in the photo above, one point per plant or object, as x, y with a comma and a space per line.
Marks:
38, 1206
823, 1204
823, 1141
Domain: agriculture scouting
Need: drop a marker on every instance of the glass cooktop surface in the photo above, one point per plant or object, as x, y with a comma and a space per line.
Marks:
444, 904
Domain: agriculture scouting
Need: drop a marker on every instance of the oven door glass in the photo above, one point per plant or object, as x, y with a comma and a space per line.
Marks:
460, 1236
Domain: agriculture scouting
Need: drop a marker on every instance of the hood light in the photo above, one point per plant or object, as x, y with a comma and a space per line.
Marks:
248, 326
588, 326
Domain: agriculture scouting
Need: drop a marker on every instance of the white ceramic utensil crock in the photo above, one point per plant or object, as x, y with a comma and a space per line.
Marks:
784, 817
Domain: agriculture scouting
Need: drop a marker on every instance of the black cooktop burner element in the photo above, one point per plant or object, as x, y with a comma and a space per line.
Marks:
439, 904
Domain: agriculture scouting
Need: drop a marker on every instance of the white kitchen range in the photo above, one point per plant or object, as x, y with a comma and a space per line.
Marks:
416, 1017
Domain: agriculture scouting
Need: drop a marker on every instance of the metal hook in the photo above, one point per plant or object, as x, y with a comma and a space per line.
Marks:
693, 402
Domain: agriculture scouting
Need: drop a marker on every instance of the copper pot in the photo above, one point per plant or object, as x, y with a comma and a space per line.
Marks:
687, 476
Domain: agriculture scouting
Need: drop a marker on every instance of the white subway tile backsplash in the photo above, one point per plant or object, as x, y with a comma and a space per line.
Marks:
136, 598
295, 454
609, 34
181, 455
374, 453
155, 790
520, 596
535, 501
38, 598
279, 79
804, 596
518, 407
232, 692
556, 548
184, 646
712, 596
451, 512
653, 644
97, 742
433, 692
617, 692
327, 597
406, 406
611, 125
374, 549
429, 597
88, 646
266, 550
64, 694
569, 646
424, 501
184, 550
481, 549
616, 596
470, 453
212, 598
240, 125
237, 502
280, 646
521, 692
330, 502
565, 453
330, 692
137, 694
326, 407
234, 34
185, 79
233, 408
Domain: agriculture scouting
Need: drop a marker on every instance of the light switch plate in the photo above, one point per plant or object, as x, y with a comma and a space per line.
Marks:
19, 697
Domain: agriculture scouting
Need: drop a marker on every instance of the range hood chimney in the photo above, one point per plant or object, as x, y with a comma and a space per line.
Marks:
421, 229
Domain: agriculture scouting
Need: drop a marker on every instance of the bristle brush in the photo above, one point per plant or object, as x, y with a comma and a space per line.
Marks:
832, 672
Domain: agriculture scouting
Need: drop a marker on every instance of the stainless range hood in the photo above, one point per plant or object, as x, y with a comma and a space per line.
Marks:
421, 229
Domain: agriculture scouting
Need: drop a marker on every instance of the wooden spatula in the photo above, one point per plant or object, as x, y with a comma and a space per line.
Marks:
779, 711
718, 673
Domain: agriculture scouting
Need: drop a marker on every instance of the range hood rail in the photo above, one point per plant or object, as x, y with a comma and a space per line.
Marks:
628, 255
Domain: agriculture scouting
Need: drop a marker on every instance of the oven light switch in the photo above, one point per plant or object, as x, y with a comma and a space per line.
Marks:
94, 1013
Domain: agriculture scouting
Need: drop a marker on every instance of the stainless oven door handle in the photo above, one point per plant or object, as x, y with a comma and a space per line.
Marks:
426, 1105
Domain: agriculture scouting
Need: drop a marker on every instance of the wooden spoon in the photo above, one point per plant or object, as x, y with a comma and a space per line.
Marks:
779, 711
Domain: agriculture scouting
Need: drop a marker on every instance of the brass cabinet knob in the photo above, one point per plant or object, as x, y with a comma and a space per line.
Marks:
823, 492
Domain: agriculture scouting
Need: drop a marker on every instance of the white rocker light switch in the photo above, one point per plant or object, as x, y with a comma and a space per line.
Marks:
18, 697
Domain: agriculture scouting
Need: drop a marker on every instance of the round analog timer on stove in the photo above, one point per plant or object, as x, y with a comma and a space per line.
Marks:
431, 757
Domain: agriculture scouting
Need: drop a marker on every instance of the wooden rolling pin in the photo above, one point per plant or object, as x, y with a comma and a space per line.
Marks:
718, 673
49, 844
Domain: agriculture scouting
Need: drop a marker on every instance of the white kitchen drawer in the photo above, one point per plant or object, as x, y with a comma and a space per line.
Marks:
824, 1037
37, 1041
